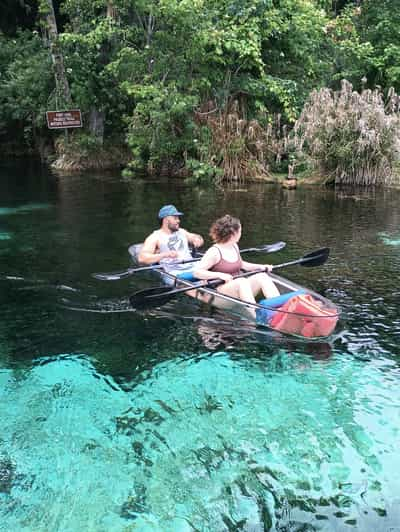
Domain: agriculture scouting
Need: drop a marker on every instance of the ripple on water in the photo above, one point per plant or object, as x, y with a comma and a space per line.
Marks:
390, 240
23, 209
4, 235
209, 443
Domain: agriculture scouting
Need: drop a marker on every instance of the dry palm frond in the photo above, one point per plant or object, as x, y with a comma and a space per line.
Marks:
237, 145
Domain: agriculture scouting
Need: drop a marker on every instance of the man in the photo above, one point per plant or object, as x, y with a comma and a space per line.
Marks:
170, 243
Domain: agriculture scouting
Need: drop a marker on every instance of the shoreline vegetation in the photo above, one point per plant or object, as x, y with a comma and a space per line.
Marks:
214, 93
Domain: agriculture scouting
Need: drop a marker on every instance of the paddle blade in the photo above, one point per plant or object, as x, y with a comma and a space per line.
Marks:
315, 258
271, 248
151, 297
113, 276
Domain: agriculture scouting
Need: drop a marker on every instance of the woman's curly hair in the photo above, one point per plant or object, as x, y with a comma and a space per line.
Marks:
223, 228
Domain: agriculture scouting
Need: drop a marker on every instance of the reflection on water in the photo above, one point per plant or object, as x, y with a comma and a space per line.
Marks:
183, 418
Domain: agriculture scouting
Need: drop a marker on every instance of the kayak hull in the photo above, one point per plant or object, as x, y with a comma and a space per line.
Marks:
298, 311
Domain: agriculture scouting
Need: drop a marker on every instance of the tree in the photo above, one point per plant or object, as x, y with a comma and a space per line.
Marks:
63, 94
379, 25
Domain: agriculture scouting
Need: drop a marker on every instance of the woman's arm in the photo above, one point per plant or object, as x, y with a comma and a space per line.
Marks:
251, 266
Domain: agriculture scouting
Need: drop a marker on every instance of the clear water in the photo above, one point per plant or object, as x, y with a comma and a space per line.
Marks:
178, 419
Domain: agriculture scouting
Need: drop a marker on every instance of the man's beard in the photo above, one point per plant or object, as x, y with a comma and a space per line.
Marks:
173, 227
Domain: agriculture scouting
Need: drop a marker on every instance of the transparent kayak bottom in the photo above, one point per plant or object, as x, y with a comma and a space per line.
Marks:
297, 311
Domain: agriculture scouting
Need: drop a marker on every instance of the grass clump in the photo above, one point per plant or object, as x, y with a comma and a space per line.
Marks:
352, 137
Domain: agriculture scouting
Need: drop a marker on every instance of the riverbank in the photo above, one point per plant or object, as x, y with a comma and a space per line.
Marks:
115, 158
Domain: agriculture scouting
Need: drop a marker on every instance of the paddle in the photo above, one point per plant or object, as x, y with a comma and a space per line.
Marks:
267, 247
160, 295
115, 276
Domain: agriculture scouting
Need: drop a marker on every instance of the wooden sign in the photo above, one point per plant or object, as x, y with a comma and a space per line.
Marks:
64, 119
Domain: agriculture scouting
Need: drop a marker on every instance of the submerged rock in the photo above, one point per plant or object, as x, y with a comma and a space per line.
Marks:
7, 473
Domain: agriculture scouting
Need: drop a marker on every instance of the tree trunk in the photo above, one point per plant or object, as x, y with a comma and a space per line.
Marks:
97, 116
63, 98
111, 10
96, 124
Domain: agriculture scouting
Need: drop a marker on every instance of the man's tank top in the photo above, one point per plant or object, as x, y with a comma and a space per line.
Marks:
226, 266
178, 242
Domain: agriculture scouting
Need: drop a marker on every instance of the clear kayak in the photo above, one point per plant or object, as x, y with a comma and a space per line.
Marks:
296, 311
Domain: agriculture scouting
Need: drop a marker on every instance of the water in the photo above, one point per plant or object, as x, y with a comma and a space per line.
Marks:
178, 419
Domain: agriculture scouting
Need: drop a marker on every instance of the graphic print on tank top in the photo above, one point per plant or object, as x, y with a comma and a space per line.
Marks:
176, 243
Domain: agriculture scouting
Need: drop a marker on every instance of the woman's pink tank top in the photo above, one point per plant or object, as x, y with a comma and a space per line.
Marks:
226, 266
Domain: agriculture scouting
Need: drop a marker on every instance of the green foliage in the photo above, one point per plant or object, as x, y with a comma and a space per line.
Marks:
352, 55
366, 44
165, 74
160, 130
203, 173
379, 24
177, 55
26, 83
88, 57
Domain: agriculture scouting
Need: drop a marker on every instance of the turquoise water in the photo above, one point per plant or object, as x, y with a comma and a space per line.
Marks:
391, 240
179, 419
208, 442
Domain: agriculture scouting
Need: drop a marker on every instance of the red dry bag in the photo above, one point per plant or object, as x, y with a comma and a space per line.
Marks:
306, 316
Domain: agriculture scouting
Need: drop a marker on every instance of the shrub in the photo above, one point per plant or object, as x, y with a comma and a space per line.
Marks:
354, 138
202, 173
232, 148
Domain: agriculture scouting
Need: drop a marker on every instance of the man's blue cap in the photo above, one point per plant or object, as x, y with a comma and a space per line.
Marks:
168, 210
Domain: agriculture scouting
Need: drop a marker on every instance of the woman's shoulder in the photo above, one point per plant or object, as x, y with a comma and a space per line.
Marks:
213, 252
237, 249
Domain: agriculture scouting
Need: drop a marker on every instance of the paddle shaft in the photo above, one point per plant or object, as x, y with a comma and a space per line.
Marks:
145, 299
164, 294
208, 290
304, 261
203, 284
249, 250
115, 276
315, 258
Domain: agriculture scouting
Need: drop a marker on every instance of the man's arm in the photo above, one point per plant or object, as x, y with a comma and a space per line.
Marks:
149, 253
194, 239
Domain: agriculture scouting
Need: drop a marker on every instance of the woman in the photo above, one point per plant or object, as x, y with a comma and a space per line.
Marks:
223, 261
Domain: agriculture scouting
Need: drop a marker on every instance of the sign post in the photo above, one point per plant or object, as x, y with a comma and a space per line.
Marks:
64, 119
